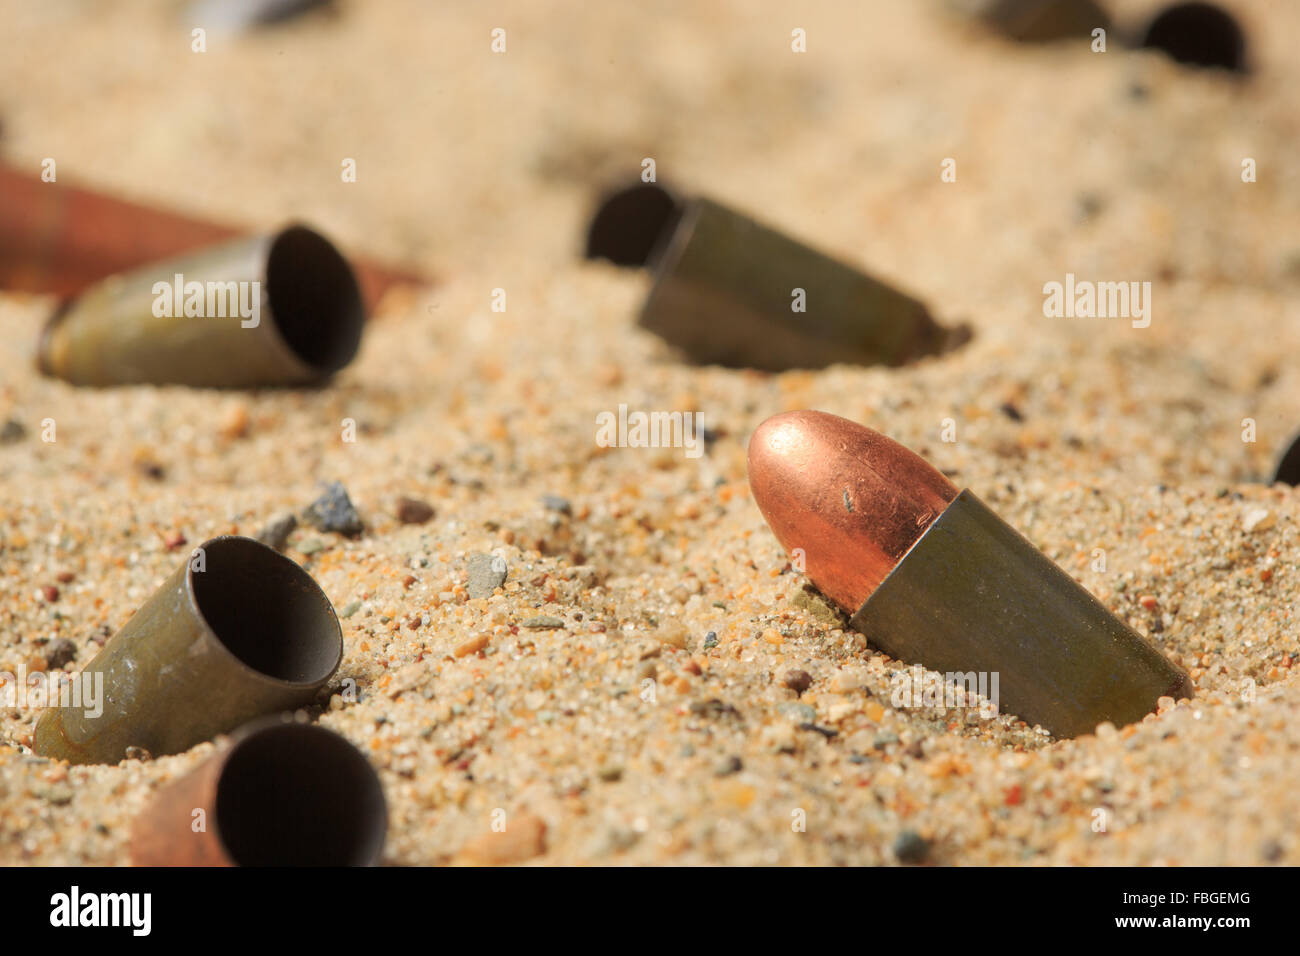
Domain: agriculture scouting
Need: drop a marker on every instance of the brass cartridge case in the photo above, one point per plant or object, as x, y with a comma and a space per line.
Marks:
132, 329
972, 594
730, 291
238, 631
279, 794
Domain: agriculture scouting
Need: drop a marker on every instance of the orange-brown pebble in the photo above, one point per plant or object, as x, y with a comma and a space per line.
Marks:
523, 838
234, 421
472, 646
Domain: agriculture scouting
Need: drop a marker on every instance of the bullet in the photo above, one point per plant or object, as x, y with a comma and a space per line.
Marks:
731, 291
933, 577
279, 794
1197, 34
60, 238
280, 309
238, 631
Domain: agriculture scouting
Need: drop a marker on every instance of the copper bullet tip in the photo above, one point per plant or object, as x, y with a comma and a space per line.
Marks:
843, 498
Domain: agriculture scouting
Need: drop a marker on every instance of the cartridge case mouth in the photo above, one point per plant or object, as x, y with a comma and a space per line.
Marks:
1197, 34
278, 793
267, 611
299, 795
315, 298
632, 226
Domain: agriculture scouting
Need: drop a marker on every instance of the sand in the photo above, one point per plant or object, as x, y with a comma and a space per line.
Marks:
481, 168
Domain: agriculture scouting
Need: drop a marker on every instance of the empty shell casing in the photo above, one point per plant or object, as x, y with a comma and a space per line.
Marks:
1287, 469
731, 291
1197, 34
304, 318
279, 794
1037, 21
238, 631
931, 576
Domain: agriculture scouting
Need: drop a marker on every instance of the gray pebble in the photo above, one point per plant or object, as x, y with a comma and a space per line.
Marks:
556, 503
797, 713
487, 572
12, 431
276, 534
333, 511
911, 847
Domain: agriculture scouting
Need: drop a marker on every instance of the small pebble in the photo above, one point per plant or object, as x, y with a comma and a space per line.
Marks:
713, 708
1257, 519
486, 573
672, 632
797, 681
472, 645
556, 503
333, 511
349, 609
543, 623
797, 713
58, 652
276, 534
728, 766
12, 431
234, 421
911, 847
413, 511
57, 794
523, 838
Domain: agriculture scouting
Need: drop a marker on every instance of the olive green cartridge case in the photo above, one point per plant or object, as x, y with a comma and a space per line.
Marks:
973, 595
279, 309
237, 632
730, 291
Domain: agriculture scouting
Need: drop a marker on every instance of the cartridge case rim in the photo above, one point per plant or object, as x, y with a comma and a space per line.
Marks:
162, 835
295, 570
